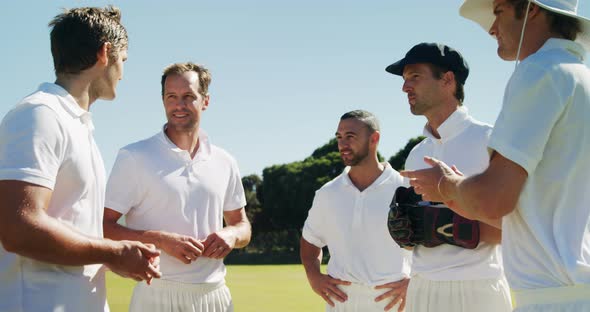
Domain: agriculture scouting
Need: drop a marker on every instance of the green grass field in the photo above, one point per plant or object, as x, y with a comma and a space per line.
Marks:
254, 288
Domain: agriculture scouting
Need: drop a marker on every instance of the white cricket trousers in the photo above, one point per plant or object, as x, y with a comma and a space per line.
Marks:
361, 298
169, 296
555, 299
487, 295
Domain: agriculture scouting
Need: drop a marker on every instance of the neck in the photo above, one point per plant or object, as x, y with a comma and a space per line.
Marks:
533, 45
366, 172
537, 32
185, 140
438, 118
78, 88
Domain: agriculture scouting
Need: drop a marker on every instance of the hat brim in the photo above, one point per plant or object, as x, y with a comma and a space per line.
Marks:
482, 13
397, 68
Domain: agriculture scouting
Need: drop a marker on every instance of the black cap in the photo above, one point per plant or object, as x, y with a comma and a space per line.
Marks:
433, 53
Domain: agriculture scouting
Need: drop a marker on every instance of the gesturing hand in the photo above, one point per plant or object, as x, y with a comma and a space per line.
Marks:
427, 182
327, 287
397, 291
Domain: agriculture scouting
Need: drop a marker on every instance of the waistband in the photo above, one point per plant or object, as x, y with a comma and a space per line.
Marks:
551, 295
184, 287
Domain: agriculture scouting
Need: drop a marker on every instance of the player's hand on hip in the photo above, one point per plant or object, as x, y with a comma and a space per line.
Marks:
135, 260
396, 291
327, 287
219, 244
182, 247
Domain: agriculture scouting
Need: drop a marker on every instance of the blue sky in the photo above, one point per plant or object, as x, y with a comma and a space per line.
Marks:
283, 71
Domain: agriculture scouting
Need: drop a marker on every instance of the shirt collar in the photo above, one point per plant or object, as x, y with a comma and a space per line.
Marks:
452, 126
385, 175
563, 44
69, 104
204, 151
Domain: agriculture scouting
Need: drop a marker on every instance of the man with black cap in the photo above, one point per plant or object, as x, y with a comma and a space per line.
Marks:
448, 277
537, 181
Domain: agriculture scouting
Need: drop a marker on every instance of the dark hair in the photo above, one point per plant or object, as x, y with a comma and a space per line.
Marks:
78, 34
566, 26
365, 117
181, 68
439, 71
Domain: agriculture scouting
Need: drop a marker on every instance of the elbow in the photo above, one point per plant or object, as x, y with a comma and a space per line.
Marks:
245, 238
12, 243
248, 236
496, 208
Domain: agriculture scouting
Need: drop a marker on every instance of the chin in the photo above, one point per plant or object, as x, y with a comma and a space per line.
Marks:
506, 56
108, 97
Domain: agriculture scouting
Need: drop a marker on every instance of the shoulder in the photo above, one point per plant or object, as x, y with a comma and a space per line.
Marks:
32, 115
548, 66
333, 185
222, 155
145, 146
418, 151
479, 128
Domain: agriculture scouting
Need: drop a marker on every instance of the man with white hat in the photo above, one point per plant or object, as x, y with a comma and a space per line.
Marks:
537, 181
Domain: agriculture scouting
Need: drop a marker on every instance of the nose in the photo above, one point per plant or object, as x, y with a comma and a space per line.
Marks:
406, 86
493, 29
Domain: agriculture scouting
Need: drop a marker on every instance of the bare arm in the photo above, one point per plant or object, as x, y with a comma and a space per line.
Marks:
236, 234
491, 194
27, 230
486, 197
182, 247
322, 284
489, 234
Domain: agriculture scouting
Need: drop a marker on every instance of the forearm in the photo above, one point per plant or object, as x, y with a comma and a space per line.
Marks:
471, 197
241, 231
311, 258
115, 231
41, 237
489, 234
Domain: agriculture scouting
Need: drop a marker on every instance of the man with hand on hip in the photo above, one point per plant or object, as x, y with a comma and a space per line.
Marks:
367, 271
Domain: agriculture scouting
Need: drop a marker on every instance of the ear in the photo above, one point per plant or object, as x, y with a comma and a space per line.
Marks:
205, 103
448, 78
102, 56
375, 137
534, 11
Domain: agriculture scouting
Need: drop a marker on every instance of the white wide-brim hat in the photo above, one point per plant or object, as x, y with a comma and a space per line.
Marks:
482, 12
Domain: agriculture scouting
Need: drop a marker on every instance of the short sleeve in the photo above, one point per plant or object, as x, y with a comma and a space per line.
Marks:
234, 195
532, 106
312, 228
123, 187
32, 145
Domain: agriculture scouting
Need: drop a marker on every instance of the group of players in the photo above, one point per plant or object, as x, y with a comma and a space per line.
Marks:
522, 184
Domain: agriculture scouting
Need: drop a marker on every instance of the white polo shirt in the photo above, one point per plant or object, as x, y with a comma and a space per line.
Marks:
47, 140
463, 143
353, 225
157, 186
544, 127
